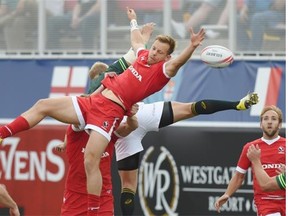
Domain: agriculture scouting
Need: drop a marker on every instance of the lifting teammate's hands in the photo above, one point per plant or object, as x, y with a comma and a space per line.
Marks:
131, 14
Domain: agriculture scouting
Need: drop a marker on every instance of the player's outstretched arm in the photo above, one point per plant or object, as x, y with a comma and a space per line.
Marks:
137, 41
131, 124
174, 64
130, 57
147, 30
7, 201
235, 183
127, 127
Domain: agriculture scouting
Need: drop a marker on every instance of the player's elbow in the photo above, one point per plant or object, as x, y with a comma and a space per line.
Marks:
269, 186
266, 189
137, 45
171, 68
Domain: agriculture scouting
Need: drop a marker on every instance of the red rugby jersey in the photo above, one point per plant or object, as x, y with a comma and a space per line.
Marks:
138, 81
271, 157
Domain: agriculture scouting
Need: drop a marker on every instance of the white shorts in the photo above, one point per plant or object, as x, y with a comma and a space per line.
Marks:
274, 214
148, 116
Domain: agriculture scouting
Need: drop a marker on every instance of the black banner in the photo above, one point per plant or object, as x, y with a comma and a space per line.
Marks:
185, 169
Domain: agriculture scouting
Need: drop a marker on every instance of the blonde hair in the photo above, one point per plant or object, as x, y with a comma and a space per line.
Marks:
168, 40
273, 108
96, 69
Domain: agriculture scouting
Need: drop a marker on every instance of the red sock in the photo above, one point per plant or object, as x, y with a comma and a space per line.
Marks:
18, 125
93, 205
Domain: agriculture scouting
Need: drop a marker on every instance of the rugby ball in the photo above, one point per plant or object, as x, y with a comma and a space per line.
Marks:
217, 56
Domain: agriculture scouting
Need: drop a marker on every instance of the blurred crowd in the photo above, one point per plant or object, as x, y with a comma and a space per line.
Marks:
257, 21
255, 18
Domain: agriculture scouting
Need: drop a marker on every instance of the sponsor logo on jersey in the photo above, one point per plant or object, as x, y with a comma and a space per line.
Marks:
271, 166
105, 154
105, 125
281, 150
135, 73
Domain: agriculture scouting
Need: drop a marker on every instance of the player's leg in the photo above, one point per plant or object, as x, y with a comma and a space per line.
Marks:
129, 178
95, 147
61, 109
183, 111
74, 203
102, 120
128, 172
107, 205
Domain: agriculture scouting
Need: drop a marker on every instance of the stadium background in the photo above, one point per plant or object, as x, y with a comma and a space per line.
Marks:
200, 154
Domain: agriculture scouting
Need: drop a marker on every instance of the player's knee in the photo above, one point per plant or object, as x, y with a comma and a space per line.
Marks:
41, 105
91, 163
132, 186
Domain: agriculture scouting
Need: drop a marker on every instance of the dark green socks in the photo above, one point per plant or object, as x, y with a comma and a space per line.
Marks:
212, 106
127, 202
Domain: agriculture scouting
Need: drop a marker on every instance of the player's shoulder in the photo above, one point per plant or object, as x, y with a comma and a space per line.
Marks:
142, 51
253, 142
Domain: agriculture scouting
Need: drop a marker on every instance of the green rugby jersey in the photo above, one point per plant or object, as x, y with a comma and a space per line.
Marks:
118, 66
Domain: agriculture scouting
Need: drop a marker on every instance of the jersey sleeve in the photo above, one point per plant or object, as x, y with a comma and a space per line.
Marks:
139, 51
243, 162
118, 66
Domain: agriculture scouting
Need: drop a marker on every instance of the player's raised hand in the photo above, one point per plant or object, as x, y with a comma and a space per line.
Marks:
254, 153
131, 14
147, 31
197, 38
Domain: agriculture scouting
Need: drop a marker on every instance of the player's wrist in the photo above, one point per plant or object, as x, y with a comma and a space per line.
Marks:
227, 196
133, 25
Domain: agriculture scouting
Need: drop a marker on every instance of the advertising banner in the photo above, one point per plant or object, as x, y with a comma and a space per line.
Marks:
32, 171
185, 169
25, 81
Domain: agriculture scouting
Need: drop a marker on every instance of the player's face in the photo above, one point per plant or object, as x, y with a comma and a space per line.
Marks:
158, 52
270, 124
